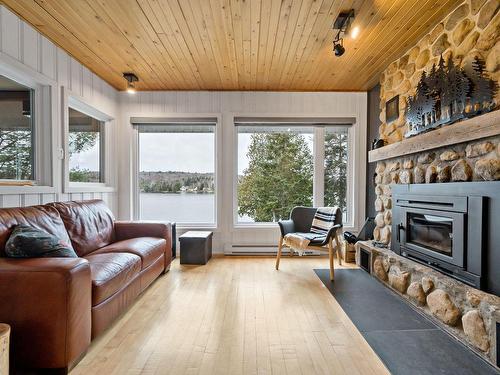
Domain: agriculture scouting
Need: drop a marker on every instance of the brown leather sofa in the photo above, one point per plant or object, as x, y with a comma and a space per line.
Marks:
55, 306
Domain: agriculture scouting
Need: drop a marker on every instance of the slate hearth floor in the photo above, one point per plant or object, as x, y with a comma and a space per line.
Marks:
406, 341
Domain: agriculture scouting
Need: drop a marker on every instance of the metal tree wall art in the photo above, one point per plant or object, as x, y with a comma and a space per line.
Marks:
448, 94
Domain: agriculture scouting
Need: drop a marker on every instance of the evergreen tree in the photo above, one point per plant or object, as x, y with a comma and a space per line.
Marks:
15, 154
483, 89
336, 170
279, 176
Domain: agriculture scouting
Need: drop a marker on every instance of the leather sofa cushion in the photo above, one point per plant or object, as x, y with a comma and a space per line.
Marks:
111, 272
45, 218
148, 248
90, 224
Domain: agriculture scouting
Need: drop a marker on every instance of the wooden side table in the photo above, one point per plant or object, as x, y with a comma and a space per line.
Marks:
4, 348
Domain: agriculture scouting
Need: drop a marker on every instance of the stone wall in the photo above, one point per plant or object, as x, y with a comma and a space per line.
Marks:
472, 29
467, 313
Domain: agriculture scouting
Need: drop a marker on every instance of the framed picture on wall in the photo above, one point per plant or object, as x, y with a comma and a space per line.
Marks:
392, 109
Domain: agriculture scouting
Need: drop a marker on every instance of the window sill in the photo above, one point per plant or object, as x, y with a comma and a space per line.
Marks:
187, 227
26, 189
255, 226
89, 188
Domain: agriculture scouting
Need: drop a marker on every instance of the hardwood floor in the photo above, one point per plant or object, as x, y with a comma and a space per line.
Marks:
236, 315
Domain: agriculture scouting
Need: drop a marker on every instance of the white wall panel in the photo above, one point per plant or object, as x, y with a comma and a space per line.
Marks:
30, 46
23, 43
10, 37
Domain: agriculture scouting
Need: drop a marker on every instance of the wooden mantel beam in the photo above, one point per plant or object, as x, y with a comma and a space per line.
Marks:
486, 125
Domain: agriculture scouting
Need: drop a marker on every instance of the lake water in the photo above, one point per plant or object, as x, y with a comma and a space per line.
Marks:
181, 208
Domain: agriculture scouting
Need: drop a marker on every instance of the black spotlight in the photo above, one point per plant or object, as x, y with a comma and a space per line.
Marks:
342, 27
338, 49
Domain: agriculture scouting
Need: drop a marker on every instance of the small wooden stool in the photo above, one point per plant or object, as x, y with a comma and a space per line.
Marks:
4, 348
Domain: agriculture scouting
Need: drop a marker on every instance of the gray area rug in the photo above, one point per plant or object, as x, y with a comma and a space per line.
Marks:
406, 341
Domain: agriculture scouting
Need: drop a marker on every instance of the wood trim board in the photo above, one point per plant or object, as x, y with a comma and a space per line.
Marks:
486, 125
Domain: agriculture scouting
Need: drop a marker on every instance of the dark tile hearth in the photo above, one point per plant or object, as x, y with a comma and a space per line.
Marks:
406, 341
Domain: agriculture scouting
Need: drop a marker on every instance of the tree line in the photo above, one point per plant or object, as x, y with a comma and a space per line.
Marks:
175, 182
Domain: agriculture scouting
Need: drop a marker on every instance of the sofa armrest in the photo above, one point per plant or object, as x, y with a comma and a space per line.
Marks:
125, 230
47, 303
286, 226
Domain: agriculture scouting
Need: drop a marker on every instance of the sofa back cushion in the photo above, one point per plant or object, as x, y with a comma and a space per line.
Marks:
45, 218
90, 224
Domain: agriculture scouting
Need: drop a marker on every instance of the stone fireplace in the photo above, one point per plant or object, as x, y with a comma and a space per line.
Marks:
462, 153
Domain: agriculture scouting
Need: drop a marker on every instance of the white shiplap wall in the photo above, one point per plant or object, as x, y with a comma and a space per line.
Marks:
225, 105
23, 47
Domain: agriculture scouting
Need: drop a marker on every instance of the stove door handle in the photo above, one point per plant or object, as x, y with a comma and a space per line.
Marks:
399, 228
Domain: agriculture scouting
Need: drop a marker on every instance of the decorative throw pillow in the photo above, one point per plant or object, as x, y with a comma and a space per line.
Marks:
29, 242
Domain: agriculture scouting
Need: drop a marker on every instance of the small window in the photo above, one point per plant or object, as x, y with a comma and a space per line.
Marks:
86, 148
17, 143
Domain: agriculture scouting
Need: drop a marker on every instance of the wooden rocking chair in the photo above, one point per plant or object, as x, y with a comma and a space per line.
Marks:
300, 222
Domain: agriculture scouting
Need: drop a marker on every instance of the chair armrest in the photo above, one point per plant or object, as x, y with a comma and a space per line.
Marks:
286, 226
125, 230
332, 231
47, 302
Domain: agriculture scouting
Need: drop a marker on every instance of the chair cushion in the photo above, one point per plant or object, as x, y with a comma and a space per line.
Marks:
111, 272
29, 242
90, 224
44, 217
148, 248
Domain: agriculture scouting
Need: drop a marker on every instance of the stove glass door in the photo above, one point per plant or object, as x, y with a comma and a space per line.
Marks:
430, 231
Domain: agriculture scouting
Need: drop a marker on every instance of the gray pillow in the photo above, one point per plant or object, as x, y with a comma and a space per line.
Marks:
29, 242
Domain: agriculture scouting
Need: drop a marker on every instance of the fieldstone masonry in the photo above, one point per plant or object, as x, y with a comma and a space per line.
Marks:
471, 30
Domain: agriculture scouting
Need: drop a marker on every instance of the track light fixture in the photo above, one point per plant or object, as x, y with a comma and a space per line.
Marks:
343, 27
338, 48
131, 79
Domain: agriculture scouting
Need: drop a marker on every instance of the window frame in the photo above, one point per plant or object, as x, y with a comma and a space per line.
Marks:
45, 153
217, 165
70, 100
318, 160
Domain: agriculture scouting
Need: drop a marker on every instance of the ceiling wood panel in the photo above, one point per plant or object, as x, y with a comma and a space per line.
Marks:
278, 45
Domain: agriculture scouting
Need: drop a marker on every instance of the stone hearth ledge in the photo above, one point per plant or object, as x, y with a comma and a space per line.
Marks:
467, 313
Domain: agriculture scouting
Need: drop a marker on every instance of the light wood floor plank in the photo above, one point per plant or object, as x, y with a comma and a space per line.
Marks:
236, 315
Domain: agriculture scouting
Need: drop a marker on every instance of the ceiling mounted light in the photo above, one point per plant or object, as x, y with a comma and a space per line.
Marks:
354, 32
339, 49
342, 25
131, 78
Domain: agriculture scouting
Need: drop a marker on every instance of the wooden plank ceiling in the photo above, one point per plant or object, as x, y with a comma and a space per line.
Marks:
232, 44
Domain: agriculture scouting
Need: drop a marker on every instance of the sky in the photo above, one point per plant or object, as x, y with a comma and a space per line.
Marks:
186, 152
86, 160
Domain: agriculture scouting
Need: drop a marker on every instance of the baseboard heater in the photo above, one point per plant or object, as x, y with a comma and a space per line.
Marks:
260, 250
